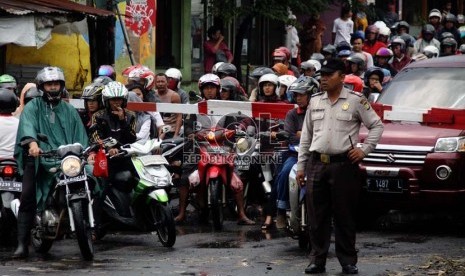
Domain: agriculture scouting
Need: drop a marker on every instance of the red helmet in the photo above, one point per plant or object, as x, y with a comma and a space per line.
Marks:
286, 51
279, 55
145, 74
353, 82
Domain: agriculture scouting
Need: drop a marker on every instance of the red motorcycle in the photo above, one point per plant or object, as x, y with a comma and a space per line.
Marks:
216, 169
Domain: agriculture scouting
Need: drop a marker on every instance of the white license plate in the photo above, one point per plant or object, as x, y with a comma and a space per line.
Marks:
385, 185
11, 186
68, 180
242, 165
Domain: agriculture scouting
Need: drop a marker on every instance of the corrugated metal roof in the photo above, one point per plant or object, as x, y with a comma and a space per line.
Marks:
22, 7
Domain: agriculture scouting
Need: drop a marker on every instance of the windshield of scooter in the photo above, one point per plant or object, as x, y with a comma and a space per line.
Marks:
424, 88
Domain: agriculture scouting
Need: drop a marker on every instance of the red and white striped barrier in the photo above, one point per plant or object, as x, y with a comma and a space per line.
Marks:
211, 107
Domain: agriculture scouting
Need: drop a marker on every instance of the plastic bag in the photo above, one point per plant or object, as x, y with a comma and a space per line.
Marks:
101, 164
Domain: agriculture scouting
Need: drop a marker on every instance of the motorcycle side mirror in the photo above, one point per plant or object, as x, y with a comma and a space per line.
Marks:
282, 136
373, 97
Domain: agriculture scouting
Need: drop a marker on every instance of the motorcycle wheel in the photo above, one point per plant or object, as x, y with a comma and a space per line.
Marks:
40, 244
82, 229
216, 207
164, 222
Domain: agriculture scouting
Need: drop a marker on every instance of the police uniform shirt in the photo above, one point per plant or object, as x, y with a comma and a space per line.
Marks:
327, 126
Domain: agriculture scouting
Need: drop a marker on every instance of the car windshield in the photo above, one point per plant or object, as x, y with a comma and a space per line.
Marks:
426, 88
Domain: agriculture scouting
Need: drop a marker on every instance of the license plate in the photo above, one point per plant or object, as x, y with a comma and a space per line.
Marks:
241, 164
11, 186
384, 185
78, 178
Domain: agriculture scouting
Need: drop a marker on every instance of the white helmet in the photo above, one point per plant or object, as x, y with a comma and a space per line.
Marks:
114, 90
215, 67
316, 64
174, 74
380, 24
385, 31
267, 78
431, 51
286, 80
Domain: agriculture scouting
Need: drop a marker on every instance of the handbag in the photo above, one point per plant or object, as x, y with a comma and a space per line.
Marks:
100, 164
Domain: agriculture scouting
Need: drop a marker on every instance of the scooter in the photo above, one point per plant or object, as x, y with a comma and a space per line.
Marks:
10, 191
68, 206
146, 206
297, 216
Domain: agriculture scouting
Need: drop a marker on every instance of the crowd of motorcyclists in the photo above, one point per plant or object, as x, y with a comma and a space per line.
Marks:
372, 58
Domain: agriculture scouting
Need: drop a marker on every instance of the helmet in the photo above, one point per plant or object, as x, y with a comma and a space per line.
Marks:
445, 35
357, 34
398, 41
286, 80
8, 82
380, 24
107, 70
371, 29
174, 74
358, 59
280, 68
450, 18
460, 18
461, 49
102, 79
418, 57
311, 64
8, 101
132, 67
428, 29
384, 52
144, 74
317, 57
228, 85
387, 76
226, 69
286, 51
267, 78
31, 93
343, 45
373, 70
431, 51
49, 74
260, 71
279, 55
449, 42
353, 82
329, 50
304, 85
93, 92
385, 31
435, 13
403, 24
344, 53
409, 40
209, 79
215, 67
114, 90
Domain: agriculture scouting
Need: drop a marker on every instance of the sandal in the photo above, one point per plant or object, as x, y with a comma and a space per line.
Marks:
245, 221
267, 226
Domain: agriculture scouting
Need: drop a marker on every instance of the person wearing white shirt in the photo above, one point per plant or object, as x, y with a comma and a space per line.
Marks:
343, 26
8, 104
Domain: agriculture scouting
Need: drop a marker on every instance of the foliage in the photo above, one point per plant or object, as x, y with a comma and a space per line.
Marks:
272, 9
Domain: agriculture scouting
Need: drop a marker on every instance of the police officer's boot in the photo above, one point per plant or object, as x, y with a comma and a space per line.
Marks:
25, 220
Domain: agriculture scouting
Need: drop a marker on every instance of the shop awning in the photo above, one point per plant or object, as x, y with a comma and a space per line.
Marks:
63, 7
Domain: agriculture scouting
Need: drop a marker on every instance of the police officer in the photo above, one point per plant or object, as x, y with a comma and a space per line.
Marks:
328, 158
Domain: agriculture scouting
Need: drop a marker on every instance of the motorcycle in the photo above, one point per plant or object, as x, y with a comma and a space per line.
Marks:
146, 206
68, 207
10, 191
297, 219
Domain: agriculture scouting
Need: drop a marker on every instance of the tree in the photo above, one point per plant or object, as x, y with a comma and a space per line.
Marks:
278, 10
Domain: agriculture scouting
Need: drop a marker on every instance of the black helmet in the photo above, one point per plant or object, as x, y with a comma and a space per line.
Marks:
31, 93
103, 80
93, 92
318, 57
258, 72
357, 59
450, 18
409, 41
8, 101
226, 69
228, 85
445, 35
329, 50
428, 29
343, 45
304, 85
449, 42
403, 24
373, 70
51, 74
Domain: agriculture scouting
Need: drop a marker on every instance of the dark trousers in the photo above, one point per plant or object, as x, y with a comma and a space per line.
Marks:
332, 192
28, 194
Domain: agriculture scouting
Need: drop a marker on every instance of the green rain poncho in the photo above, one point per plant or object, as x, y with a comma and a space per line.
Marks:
62, 125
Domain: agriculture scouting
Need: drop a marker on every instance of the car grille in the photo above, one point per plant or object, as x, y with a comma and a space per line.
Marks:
398, 154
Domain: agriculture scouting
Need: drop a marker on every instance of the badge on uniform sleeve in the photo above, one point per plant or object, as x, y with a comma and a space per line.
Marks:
365, 103
345, 106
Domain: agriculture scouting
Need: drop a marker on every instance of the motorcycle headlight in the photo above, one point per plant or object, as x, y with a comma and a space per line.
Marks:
242, 145
71, 166
450, 144
211, 136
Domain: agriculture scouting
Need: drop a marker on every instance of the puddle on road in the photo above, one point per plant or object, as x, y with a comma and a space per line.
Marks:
220, 244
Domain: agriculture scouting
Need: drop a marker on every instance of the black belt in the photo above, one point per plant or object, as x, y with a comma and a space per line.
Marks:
329, 158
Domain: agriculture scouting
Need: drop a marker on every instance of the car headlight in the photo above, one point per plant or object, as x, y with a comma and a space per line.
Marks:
71, 166
242, 145
450, 144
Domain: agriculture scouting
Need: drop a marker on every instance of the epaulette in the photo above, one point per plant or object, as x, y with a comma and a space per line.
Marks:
356, 93
317, 94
